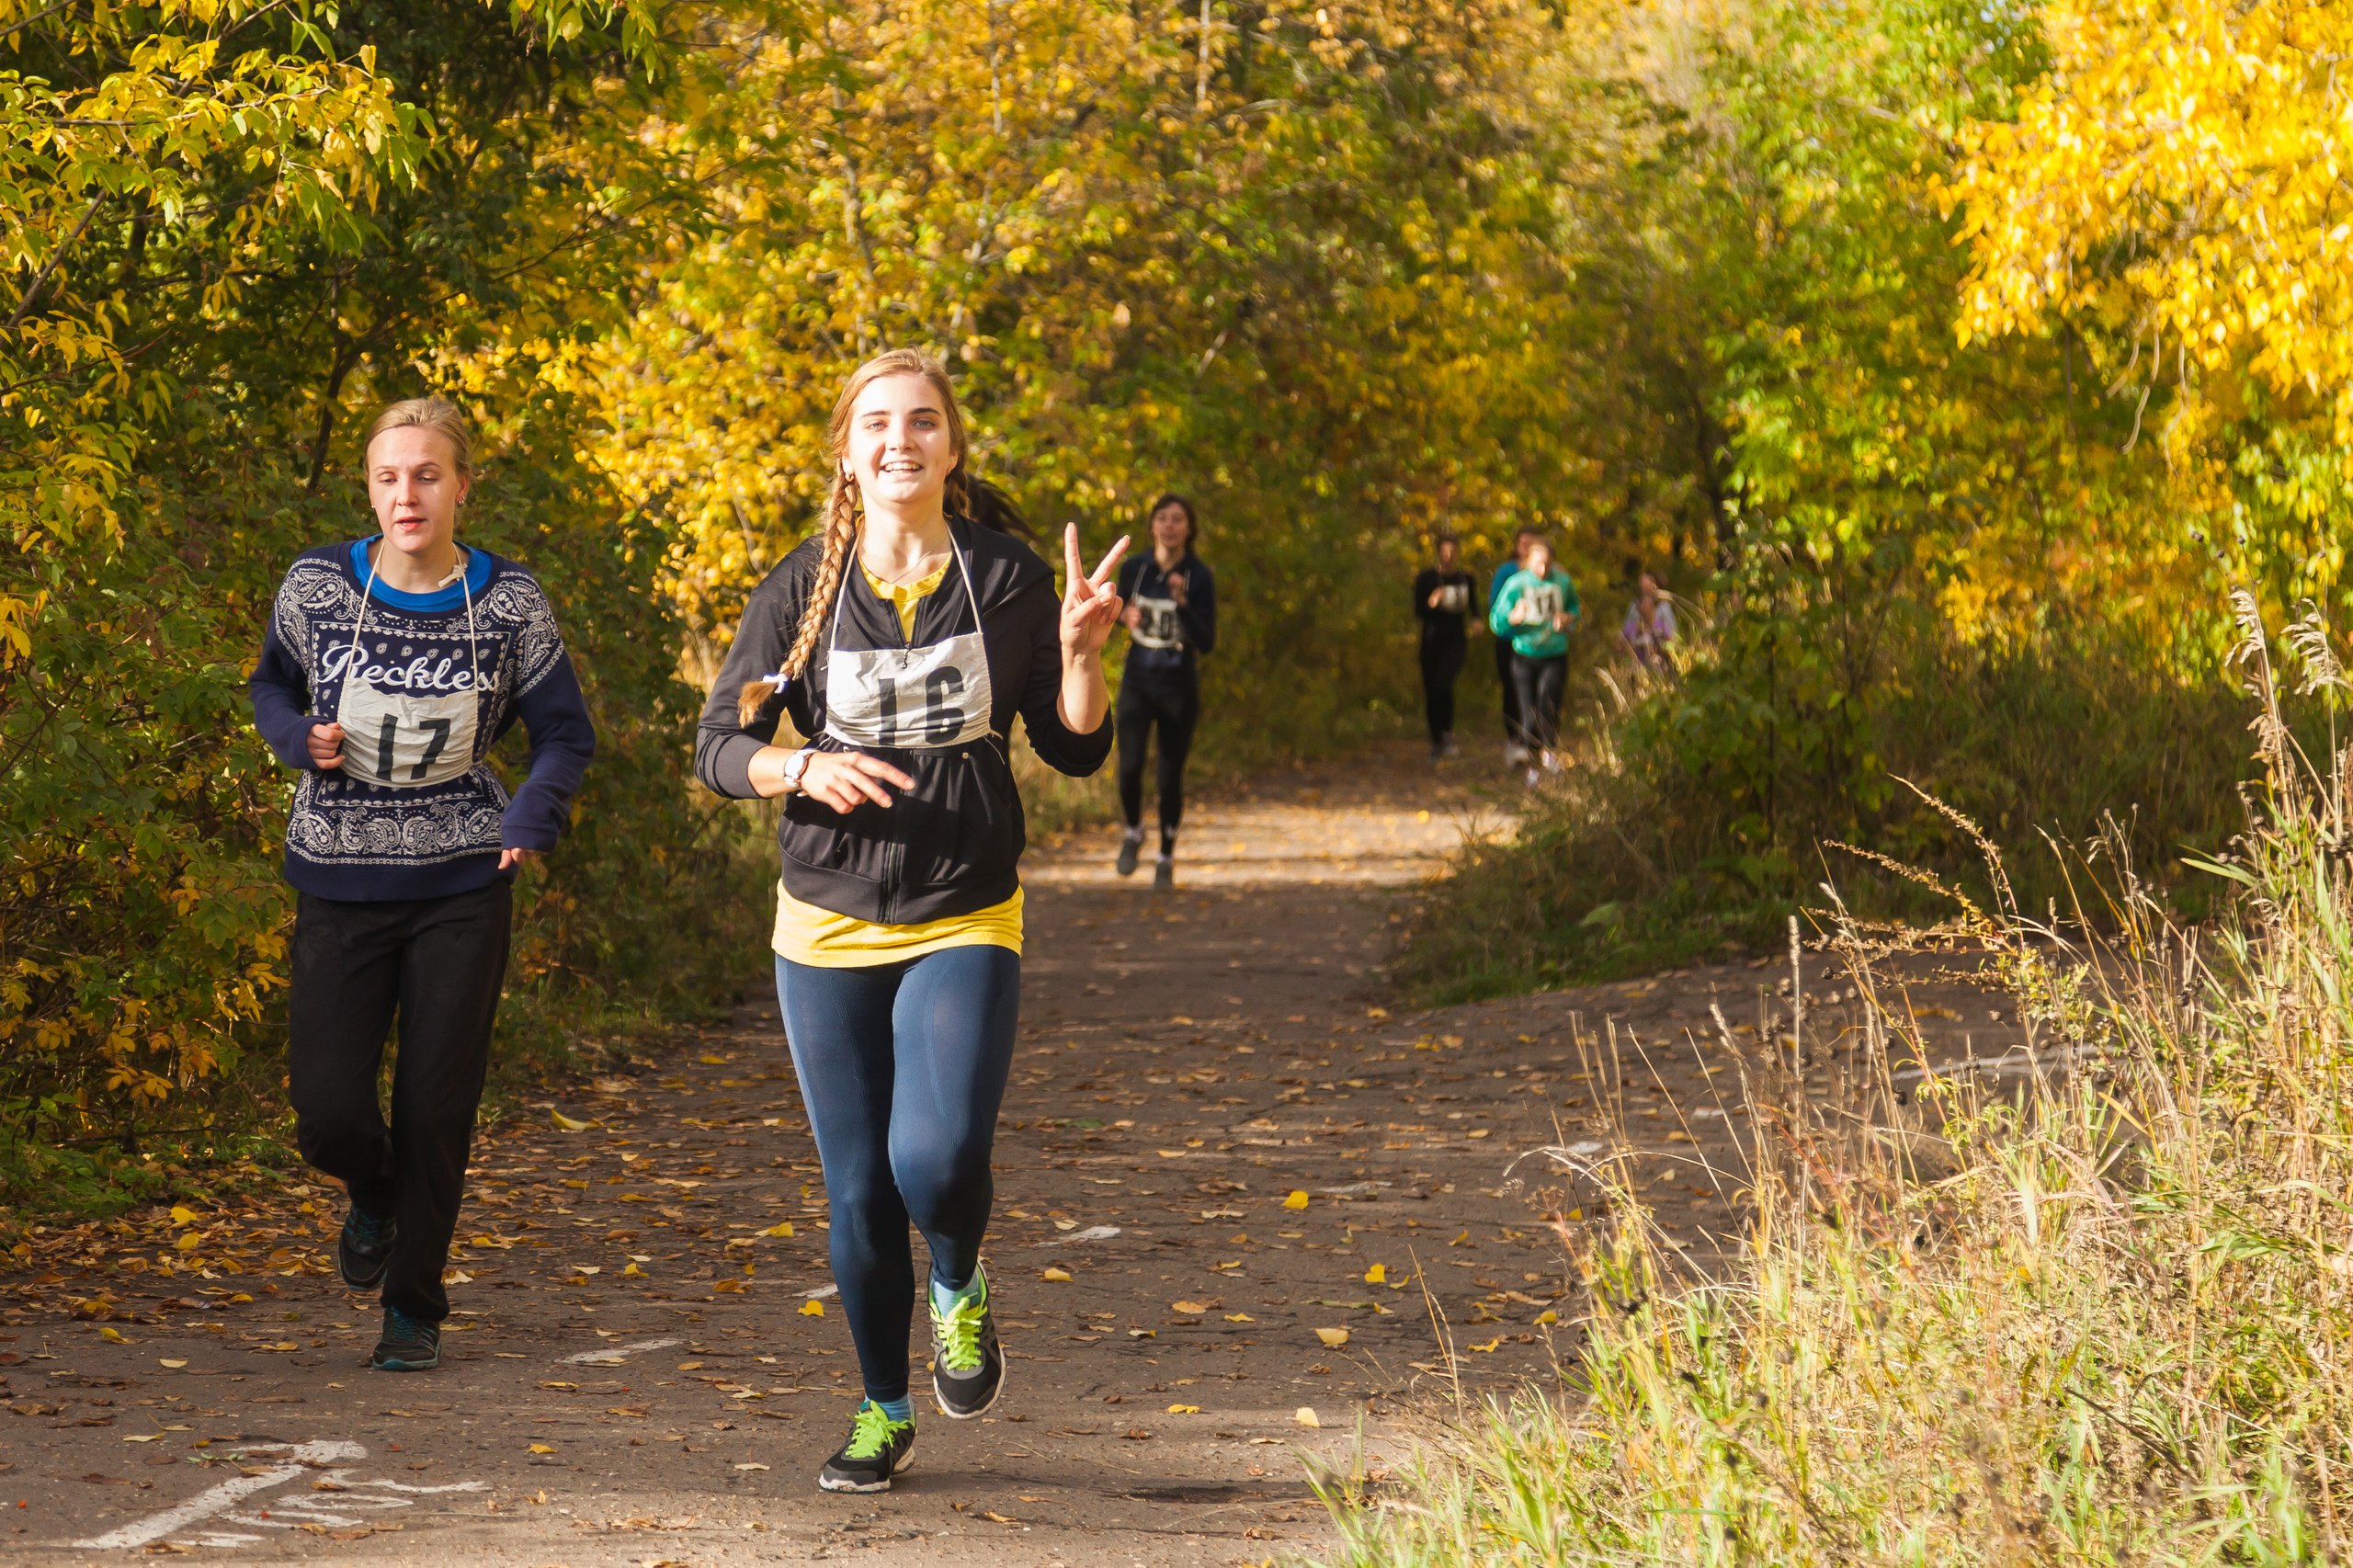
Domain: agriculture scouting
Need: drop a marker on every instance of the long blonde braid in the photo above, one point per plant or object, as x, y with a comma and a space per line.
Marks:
842, 512
833, 564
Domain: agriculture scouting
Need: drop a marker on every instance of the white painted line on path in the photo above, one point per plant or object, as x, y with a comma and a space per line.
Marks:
613, 1355
205, 1504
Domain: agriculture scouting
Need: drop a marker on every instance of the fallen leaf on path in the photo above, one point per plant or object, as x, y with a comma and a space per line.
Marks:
812, 1309
174, 1363
1305, 1416
111, 1336
1056, 1276
994, 1517
1376, 1275
569, 1124
1240, 1317
1183, 1410
1490, 1344
1192, 1308
1297, 1199
141, 1437
783, 1230
1335, 1337
752, 1464
542, 1449
183, 1215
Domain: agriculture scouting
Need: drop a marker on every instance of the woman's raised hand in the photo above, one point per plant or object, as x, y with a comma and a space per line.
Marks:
1089, 606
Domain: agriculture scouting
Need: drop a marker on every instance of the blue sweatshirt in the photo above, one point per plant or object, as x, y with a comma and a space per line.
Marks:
432, 683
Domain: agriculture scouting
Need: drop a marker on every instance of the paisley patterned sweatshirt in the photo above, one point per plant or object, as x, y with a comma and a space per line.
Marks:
423, 685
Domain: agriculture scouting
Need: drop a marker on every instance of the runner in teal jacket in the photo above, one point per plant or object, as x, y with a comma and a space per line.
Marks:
1533, 611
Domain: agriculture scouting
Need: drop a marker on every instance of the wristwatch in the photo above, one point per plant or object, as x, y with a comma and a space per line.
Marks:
795, 766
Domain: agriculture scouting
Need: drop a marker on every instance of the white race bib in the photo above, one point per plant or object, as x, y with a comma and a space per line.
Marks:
1156, 624
405, 741
1539, 603
915, 698
1454, 597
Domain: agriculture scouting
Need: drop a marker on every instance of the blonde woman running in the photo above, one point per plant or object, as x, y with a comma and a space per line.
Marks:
391, 666
904, 639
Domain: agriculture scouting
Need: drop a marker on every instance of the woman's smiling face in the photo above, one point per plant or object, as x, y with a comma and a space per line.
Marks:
901, 450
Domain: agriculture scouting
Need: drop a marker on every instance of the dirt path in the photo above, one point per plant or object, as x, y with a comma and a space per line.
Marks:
1220, 1154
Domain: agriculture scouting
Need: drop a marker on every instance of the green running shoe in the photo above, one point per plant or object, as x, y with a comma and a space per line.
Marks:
879, 1448
967, 1365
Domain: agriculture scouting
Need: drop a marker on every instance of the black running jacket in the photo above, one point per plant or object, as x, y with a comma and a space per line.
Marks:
953, 844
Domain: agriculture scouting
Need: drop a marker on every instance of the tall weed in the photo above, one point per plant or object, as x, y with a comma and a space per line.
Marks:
2118, 1330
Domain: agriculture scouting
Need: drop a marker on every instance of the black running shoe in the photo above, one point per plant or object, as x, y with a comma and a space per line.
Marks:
967, 1367
365, 1250
1129, 847
1164, 874
409, 1344
879, 1448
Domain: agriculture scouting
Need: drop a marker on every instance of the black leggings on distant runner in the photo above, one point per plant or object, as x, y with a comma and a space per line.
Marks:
438, 964
1173, 711
1441, 666
1538, 684
1503, 656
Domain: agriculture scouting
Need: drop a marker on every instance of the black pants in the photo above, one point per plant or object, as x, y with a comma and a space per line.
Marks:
1173, 710
1441, 666
1503, 656
437, 963
1538, 684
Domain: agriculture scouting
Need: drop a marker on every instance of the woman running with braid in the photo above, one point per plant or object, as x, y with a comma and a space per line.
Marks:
904, 639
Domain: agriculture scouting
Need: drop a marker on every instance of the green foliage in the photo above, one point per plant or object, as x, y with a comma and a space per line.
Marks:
232, 289
2105, 1321
1714, 811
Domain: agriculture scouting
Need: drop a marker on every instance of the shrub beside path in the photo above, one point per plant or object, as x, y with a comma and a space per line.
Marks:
1239, 1191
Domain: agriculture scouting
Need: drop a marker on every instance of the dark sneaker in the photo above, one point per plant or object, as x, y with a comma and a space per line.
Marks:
879, 1448
1164, 874
365, 1249
1129, 848
409, 1344
967, 1367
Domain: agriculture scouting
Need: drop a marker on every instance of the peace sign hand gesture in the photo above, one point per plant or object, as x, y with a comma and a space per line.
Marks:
1090, 608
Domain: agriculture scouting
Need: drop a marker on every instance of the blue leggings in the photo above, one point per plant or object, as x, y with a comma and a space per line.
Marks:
902, 1068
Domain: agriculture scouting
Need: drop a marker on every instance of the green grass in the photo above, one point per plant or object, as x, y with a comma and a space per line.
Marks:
2110, 1321
1673, 841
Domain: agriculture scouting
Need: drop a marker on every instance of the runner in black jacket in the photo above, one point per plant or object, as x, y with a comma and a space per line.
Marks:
905, 640
1172, 618
1445, 598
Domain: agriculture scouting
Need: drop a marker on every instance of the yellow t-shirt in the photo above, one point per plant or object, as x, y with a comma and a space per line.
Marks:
819, 938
